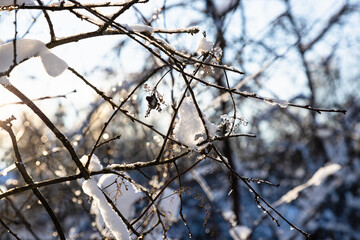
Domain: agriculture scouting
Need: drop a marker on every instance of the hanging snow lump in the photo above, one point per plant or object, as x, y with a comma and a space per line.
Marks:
28, 48
190, 130
204, 46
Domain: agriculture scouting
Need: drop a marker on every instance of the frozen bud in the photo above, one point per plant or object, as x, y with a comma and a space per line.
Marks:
152, 101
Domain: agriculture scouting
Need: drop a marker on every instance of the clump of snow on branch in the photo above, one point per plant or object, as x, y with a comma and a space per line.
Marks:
240, 232
111, 219
28, 48
190, 130
94, 164
123, 195
280, 103
121, 192
315, 180
204, 46
138, 28
18, 2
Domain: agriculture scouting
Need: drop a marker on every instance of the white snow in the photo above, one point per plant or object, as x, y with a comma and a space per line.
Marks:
18, 2
4, 81
123, 195
240, 232
190, 130
53, 65
111, 219
121, 192
118, 189
204, 46
273, 101
315, 180
165, 44
28, 48
94, 165
139, 28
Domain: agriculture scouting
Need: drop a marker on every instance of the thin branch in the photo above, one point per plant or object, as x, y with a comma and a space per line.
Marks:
166, 185
330, 24
47, 17
109, 140
22, 217
116, 15
256, 96
52, 127
181, 201
66, 6
6, 125
8, 229
259, 197
39, 99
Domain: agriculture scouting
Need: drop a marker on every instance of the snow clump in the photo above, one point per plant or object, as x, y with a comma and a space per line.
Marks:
204, 46
139, 28
111, 219
28, 48
122, 193
190, 130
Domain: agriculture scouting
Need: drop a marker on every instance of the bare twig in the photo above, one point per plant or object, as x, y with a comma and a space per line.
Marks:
258, 197
39, 99
52, 127
6, 125
8, 229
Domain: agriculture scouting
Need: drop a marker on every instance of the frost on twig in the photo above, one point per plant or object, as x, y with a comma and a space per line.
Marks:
138, 28
280, 103
229, 122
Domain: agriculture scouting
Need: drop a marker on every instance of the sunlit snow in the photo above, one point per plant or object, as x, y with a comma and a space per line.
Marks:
204, 46
138, 28
111, 219
190, 129
28, 48
118, 189
94, 164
